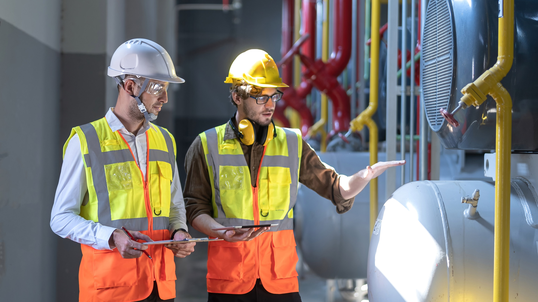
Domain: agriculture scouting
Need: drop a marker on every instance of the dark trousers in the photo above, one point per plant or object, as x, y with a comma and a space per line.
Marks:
154, 296
257, 294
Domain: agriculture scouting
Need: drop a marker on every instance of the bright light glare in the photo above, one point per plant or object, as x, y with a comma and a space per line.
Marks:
407, 255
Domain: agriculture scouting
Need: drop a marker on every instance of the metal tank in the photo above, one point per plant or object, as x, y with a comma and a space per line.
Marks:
459, 44
429, 246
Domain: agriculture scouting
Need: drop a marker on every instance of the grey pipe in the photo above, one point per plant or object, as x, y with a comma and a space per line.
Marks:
412, 91
403, 85
423, 123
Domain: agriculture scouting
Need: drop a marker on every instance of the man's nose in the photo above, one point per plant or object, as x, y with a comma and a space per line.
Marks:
164, 97
270, 103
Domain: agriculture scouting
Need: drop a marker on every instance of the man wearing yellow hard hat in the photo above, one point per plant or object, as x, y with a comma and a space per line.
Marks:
241, 186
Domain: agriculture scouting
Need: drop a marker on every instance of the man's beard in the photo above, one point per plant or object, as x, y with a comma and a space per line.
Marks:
250, 114
137, 115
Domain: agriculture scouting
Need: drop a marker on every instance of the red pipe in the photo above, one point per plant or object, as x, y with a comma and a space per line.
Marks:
329, 85
296, 98
288, 26
323, 75
342, 38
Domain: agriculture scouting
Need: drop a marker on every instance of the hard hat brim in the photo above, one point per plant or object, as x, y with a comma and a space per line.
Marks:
230, 80
116, 73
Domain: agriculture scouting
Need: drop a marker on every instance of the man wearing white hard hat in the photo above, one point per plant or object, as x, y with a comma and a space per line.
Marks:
241, 186
119, 186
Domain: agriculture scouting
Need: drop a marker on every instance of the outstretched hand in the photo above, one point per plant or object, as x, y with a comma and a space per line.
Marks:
350, 186
378, 168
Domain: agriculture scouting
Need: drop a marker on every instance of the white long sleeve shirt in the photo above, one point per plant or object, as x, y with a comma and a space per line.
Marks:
72, 191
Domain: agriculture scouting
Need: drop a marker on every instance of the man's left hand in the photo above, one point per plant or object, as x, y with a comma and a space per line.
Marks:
181, 250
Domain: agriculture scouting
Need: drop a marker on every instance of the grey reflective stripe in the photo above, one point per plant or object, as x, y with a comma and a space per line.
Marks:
96, 160
97, 163
169, 146
111, 157
284, 224
160, 223
137, 224
293, 161
159, 155
214, 159
234, 221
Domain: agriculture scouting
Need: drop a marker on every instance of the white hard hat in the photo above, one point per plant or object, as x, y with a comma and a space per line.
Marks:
144, 58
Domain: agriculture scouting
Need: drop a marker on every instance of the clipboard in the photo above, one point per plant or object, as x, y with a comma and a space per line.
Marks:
186, 240
246, 226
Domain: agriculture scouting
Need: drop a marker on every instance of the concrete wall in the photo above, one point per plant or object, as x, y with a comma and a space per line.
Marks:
29, 147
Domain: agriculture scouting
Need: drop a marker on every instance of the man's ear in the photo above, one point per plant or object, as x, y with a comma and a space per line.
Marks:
129, 86
236, 98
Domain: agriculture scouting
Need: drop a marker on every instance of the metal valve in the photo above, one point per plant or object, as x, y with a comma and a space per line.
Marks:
471, 212
449, 117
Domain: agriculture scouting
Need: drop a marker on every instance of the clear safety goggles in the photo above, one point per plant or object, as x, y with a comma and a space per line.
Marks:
153, 87
263, 99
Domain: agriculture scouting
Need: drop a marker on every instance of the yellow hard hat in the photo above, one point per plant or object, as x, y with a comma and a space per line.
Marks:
256, 67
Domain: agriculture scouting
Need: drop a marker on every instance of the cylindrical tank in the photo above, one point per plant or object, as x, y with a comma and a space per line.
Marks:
425, 248
459, 44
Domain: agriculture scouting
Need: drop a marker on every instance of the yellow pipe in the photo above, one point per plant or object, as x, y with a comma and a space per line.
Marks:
296, 36
319, 126
475, 94
292, 115
365, 118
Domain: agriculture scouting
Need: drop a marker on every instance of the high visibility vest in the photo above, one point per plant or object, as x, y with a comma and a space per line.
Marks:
233, 267
118, 195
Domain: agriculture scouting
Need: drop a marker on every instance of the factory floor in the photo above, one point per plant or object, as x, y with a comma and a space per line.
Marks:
191, 283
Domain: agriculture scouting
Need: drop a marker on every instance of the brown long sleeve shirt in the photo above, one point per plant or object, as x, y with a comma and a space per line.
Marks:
314, 174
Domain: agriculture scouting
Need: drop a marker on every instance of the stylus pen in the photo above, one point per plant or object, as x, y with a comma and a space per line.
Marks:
143, 251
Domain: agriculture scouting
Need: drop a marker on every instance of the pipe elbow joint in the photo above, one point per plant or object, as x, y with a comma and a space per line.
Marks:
472, 95
358, 123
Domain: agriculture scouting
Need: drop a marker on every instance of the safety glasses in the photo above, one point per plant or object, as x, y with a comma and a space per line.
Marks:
263, 99
153, 88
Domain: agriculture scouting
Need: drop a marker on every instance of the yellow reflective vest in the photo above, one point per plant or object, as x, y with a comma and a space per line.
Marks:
233, 267
118, 195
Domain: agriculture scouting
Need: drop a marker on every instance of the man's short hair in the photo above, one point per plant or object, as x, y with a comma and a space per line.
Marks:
243, 90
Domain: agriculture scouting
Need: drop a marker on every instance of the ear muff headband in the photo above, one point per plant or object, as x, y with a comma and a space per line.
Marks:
247, 133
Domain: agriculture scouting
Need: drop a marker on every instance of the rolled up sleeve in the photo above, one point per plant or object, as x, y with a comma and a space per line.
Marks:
322, 179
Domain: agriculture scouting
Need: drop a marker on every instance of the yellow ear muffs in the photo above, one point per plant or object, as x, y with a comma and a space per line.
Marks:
249, 135
269, 134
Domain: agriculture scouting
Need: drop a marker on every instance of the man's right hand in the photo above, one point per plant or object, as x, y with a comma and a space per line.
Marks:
242, 234
127, 247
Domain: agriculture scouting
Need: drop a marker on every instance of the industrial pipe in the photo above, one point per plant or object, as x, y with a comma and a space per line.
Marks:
323, 75
475, 94
296, 98
365, 118
319, 126
288, 7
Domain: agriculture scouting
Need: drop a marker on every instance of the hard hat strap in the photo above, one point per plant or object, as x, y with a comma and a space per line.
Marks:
150, 117
147, 115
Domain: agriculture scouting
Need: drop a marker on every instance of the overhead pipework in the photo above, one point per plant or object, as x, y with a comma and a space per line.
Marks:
324, 75
296, 97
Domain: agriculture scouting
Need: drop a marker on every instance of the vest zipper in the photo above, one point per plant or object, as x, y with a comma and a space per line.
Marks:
255, 206
147, 203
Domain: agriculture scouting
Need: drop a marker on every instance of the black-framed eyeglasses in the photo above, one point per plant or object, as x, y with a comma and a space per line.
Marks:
263, 99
